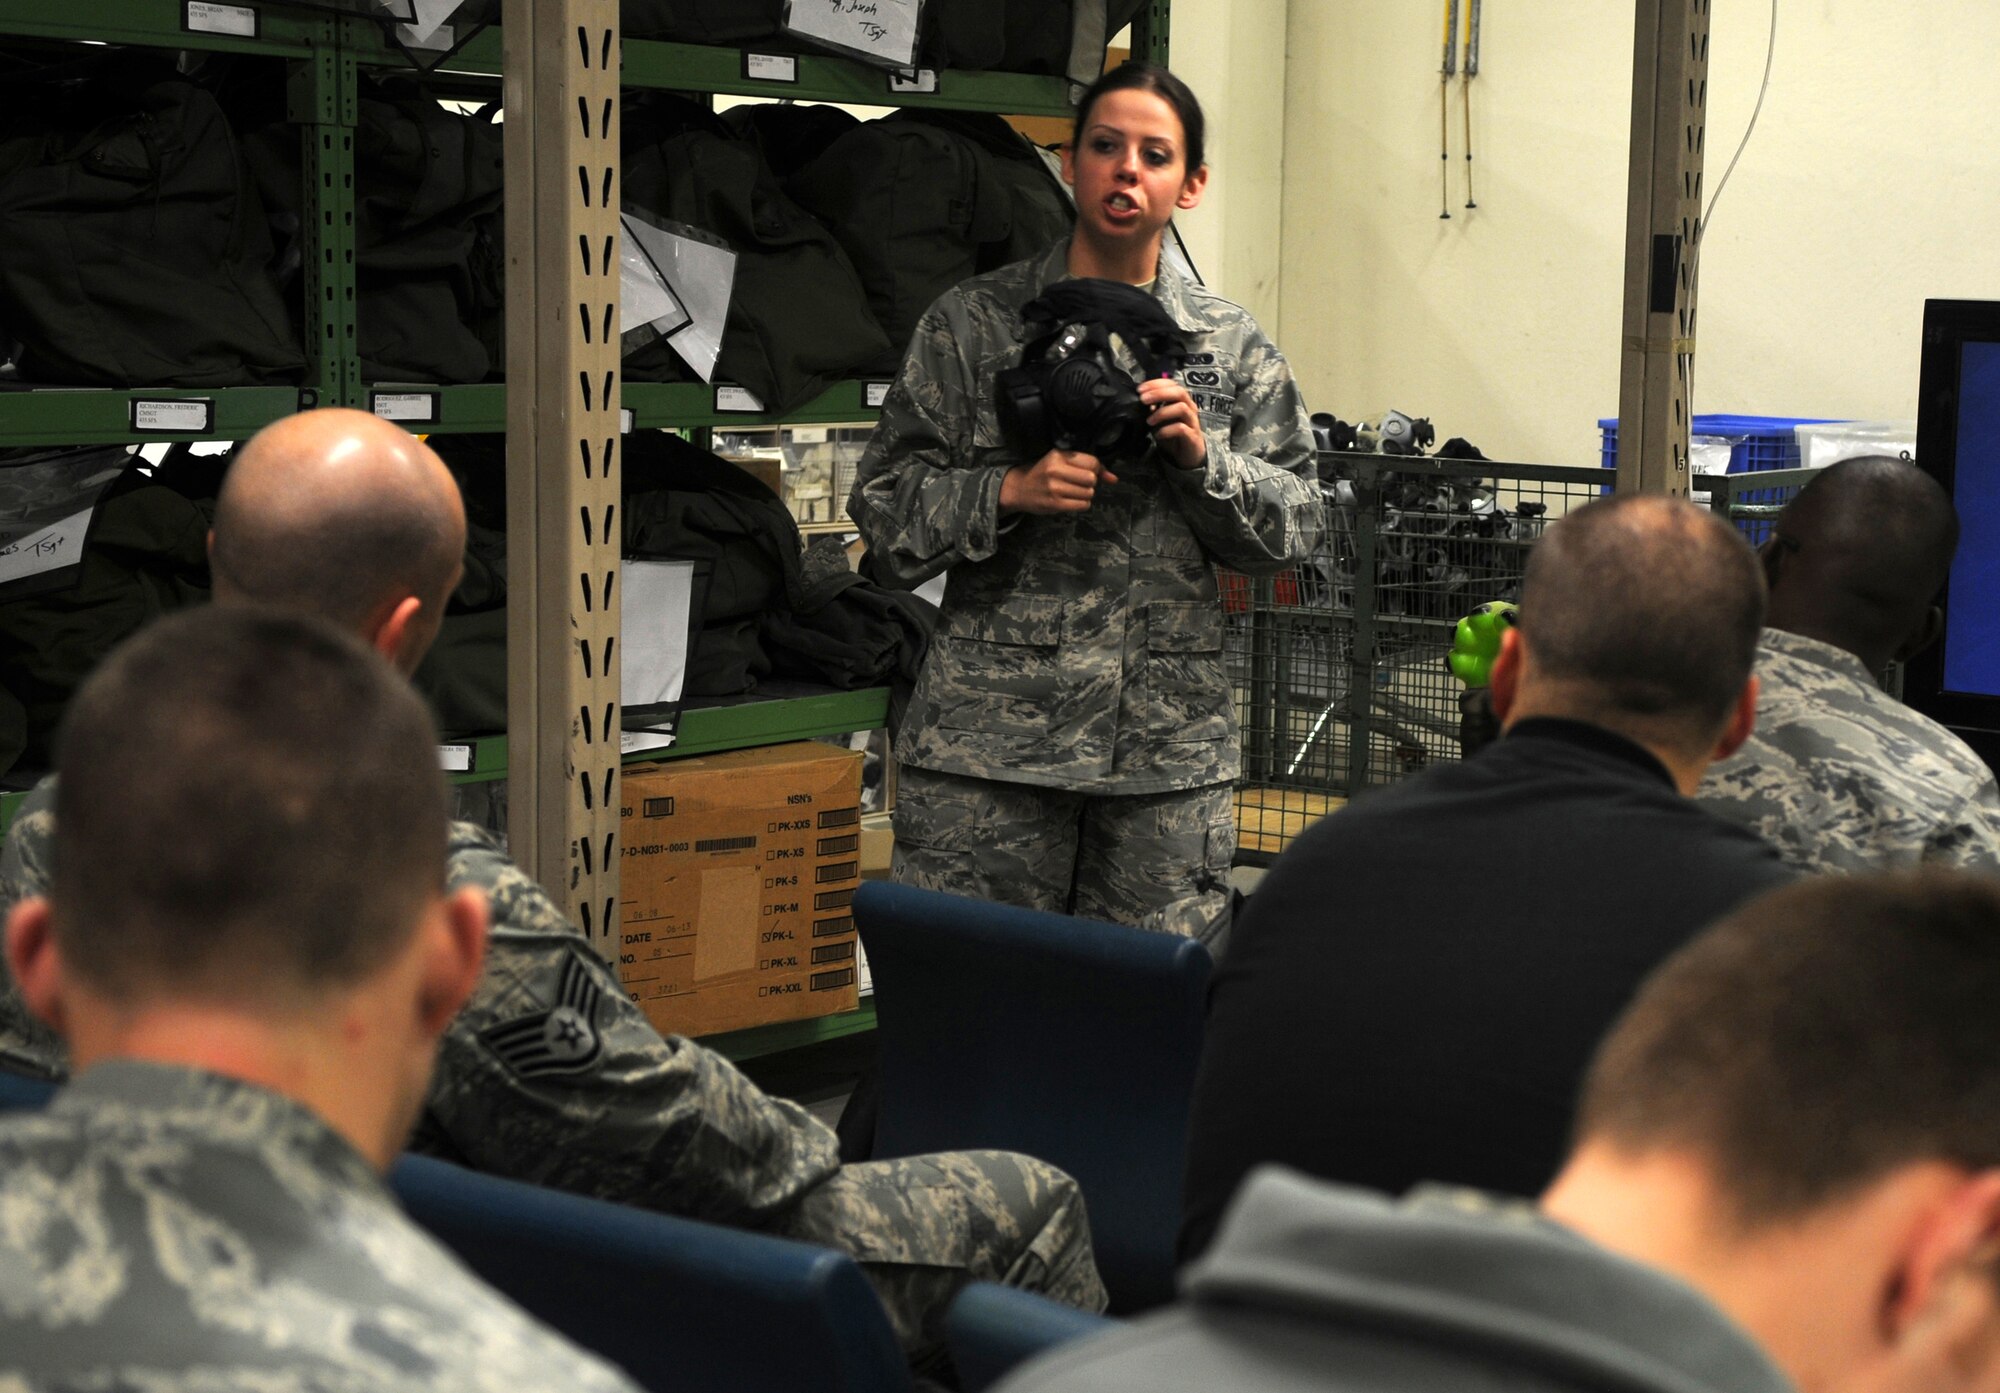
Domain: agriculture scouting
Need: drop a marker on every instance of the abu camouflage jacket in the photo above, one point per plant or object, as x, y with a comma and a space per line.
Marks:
1082, 651
550, 1073
183, 1232
1841, 776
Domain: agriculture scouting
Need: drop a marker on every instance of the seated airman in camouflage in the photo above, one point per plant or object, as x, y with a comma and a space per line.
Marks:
1839, 775
251, 953
551, 1074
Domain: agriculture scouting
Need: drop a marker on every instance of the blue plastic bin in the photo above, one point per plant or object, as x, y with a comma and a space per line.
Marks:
1767, 442
1762, 442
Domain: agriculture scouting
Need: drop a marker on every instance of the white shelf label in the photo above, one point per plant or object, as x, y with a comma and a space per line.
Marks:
632, 742
205, 17
177, 414
404, 406
58, 544
624, 420
771, 67
881, 31
873, 394
741, 399
913, 80
455, 759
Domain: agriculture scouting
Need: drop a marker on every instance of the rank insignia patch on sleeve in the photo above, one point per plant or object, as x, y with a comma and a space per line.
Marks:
560, 1040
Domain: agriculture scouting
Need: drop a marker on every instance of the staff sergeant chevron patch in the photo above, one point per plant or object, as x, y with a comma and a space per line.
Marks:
560, 1040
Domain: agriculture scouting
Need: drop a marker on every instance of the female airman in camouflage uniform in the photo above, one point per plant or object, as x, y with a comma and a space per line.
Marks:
1071, 744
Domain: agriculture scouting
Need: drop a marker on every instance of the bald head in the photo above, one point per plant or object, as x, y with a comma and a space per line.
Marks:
341, 515
1858, 558
1641, 614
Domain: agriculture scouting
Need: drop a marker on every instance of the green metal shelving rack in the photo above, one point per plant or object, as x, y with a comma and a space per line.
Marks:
707, 730
325, 55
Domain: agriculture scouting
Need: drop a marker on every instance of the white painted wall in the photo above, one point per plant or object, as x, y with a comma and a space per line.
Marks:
1873, 181
1232, 53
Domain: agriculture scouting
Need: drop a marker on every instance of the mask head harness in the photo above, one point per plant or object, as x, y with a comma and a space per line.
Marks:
1069, 392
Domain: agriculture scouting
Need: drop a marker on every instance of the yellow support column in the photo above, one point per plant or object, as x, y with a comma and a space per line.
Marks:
561, 64
1662, 216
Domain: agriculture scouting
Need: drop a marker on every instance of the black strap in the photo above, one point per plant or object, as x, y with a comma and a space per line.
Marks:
1147, 329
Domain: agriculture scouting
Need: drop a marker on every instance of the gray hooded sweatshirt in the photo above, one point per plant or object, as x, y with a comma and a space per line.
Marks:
1323, 1287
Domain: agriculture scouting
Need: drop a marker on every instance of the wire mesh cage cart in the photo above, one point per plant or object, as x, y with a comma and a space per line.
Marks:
1338, 663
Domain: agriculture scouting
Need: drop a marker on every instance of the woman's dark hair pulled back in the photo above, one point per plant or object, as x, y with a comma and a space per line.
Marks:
1150, 77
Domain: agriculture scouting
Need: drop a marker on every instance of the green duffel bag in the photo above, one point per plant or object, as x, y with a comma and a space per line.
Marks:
1013, 174
464, 675
146, 555
134, 250
790, 136
1061, 38
428, 296
798, 317
428, 189
921, 200
700, 21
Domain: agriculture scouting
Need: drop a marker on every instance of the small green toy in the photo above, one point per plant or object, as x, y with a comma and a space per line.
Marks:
1476, 642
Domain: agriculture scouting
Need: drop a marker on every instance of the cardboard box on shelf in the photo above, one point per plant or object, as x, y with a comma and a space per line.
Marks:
768, 469
736, 878
878, 846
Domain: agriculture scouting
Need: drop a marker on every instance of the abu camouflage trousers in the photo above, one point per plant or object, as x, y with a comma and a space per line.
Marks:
922, 1227
1155, 860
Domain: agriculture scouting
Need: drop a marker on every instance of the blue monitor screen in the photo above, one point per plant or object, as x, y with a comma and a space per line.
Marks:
1972, 624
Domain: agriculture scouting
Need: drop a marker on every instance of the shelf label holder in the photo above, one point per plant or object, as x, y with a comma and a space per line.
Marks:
208, 17
406, 407
172, 415
770, 67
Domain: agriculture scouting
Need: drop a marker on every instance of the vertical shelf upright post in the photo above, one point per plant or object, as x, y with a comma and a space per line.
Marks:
323, 98
1662, 226
1149, 32
560, 62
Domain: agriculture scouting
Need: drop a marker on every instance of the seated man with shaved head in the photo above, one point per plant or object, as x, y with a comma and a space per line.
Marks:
352, 519
1414, 990
1839, 775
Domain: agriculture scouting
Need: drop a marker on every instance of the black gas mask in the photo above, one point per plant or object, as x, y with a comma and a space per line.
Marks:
1070, 393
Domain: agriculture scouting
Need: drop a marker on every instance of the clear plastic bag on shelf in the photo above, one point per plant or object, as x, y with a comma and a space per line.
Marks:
1833, 441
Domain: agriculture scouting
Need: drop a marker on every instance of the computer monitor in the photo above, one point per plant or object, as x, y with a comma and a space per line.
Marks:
1957, 681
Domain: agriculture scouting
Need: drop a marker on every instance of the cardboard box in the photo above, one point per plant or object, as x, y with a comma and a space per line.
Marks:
878, 846
736, 878
767, 469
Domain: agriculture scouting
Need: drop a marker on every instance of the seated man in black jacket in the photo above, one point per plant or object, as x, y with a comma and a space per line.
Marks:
1787, 1177
1415, 989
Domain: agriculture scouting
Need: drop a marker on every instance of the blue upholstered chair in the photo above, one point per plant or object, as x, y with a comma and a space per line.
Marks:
992, 1328
20, 1091
679, 1305
1065, 1039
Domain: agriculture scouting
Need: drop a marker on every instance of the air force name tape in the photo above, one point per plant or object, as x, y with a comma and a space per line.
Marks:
560, 1040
